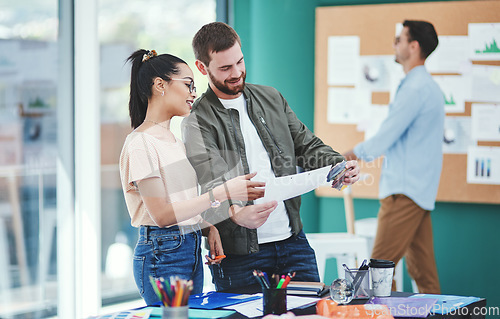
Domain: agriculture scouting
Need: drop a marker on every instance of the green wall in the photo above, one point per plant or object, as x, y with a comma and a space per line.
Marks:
278, 43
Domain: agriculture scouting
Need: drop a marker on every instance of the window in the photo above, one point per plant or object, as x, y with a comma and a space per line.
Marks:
36, 129
28, 140
166, 26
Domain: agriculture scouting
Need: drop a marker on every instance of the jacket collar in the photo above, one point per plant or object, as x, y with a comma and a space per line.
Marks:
214, 100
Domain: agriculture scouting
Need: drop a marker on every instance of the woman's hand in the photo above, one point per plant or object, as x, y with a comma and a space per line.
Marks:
240, 188
216, 250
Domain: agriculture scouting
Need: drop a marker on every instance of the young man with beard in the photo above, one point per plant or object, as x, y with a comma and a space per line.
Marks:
237, 127
411, 140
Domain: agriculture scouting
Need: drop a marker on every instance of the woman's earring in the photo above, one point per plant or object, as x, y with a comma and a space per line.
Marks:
162, 93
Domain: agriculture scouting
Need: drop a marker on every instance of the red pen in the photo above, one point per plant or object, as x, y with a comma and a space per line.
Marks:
287, 280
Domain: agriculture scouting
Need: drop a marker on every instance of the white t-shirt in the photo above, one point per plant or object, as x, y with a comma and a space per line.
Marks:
277, 226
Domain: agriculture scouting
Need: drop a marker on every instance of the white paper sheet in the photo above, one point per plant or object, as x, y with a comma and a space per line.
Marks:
484, 41
343, 60
399, 27
346, 104
483, 165
285, 187
485, 122
485, 83
254, 308
450, 56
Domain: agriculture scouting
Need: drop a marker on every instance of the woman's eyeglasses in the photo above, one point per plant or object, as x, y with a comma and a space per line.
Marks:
191, 86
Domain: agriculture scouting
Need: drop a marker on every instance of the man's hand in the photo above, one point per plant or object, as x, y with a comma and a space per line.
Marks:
252, 216
352, 174
349, 156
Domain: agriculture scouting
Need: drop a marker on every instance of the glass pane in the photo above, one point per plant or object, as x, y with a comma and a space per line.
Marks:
28, 144
167, 26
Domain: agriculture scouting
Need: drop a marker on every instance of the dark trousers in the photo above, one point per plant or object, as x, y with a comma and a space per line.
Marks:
286, 256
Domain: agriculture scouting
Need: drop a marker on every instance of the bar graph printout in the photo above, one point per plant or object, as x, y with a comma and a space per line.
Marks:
456, 90
484, 40
483, 165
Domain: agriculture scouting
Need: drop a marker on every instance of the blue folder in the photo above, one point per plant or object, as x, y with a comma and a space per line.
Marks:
213, 300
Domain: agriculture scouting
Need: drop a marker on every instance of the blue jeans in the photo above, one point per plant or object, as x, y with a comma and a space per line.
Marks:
281, 257
165, 252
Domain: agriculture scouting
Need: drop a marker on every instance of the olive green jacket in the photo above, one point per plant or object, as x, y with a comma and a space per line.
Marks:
215, 148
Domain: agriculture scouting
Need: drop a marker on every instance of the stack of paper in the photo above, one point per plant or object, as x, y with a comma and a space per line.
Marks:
305, 288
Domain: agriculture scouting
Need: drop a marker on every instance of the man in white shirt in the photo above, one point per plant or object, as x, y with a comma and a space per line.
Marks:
237, 127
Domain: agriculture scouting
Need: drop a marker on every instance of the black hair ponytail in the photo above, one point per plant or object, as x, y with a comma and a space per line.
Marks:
146, 66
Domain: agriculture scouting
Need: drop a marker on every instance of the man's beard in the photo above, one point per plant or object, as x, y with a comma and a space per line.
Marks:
224, 88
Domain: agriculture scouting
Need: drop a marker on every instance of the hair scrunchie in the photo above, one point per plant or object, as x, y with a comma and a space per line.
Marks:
149, 55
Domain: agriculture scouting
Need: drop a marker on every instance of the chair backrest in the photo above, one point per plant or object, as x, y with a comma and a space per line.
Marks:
335, 245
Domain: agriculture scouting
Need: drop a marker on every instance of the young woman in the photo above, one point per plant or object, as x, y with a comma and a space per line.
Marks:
160, 185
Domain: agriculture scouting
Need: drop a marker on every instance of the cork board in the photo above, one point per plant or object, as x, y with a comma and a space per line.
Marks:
375, 26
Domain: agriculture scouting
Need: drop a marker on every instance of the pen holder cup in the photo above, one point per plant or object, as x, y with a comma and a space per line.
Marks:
274, 301
360, 281
175, 312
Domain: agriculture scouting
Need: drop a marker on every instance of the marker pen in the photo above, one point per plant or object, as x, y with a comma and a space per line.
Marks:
488, 167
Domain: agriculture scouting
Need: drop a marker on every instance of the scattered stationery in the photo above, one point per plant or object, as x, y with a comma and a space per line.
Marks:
213, 299
447, 303
405, 306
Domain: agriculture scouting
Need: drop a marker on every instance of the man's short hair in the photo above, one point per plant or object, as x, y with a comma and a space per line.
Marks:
424, 33
213, 37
